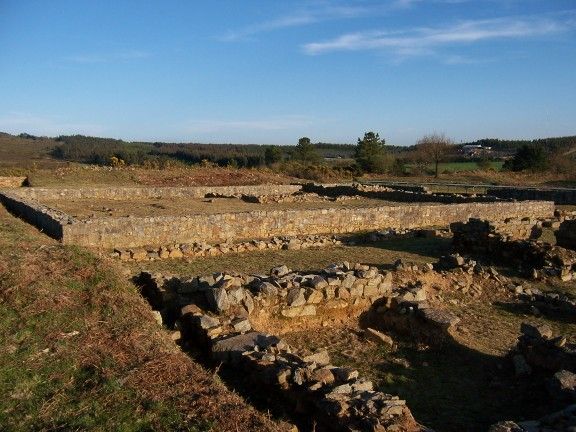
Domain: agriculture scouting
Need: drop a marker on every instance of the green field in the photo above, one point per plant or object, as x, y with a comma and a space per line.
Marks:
461, 166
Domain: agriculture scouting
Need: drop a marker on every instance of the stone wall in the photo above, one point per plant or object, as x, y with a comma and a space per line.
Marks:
566, 234
559, 196
133, 231
389, 194
536, 259
127, 232
127, 193
218, 312
46, 219
13, 182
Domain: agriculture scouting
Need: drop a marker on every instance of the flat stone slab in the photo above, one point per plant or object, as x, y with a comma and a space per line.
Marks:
231, 348
439, 317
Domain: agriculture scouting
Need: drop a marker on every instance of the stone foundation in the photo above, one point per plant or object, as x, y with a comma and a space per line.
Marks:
128, 232
536, 259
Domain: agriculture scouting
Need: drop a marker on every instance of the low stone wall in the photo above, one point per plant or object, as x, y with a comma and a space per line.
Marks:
12, 182
202, 249
566, 234
388, 194
536, 259
46, 219
129, 232
559, 196
133, 231
128, 193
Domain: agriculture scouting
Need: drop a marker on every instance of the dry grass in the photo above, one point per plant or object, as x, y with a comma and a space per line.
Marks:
81, 350
382, 254
81, 175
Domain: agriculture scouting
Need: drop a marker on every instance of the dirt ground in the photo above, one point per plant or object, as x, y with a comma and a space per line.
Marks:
143, 207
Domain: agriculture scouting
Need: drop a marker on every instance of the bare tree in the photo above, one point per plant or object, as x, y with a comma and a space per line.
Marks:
435, 147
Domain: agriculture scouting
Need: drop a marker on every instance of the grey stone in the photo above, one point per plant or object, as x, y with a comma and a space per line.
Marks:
342, 389
439, 317
231, 348
241, 325
268, 289
362, 386
218, 299
280, 271
321, 358
345, 374
313, 296
296, 297
536, 331
248, 303
379, 337
206, 321
236, 295
562, 385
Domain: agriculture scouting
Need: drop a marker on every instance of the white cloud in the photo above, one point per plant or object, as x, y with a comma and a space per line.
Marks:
419, 41
307, 16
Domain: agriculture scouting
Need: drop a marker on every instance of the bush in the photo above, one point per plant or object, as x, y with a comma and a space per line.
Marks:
528, 158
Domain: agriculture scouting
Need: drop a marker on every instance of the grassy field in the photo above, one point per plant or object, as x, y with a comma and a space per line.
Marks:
80, 350
451, 167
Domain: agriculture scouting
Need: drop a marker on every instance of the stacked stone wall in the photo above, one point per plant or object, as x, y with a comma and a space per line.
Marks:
536, 259
133, 231
48, 220
129, 193
389, 194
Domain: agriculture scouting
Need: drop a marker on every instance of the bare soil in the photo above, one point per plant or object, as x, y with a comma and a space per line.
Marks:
143, 207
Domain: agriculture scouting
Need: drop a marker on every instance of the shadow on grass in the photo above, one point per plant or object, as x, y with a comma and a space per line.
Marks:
453, 388
449, 386
426, 247
550, 312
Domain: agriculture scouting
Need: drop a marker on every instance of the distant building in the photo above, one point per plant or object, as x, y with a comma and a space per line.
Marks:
475, 149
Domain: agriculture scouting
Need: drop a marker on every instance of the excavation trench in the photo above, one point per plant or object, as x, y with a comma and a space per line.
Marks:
225, 321
229, 323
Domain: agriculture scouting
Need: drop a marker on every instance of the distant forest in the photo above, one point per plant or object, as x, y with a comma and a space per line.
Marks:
549, 144
104, 151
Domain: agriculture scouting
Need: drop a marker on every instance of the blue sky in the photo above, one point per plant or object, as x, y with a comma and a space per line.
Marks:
271, 71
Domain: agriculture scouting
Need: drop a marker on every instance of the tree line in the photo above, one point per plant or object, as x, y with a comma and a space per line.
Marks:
370, 154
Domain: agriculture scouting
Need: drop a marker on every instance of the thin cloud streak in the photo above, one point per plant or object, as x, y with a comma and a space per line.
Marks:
423, 40
301, 18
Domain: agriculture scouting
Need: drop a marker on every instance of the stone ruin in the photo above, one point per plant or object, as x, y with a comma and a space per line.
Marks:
541, 356
203, 249
534, 258
230, 315
226, 313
